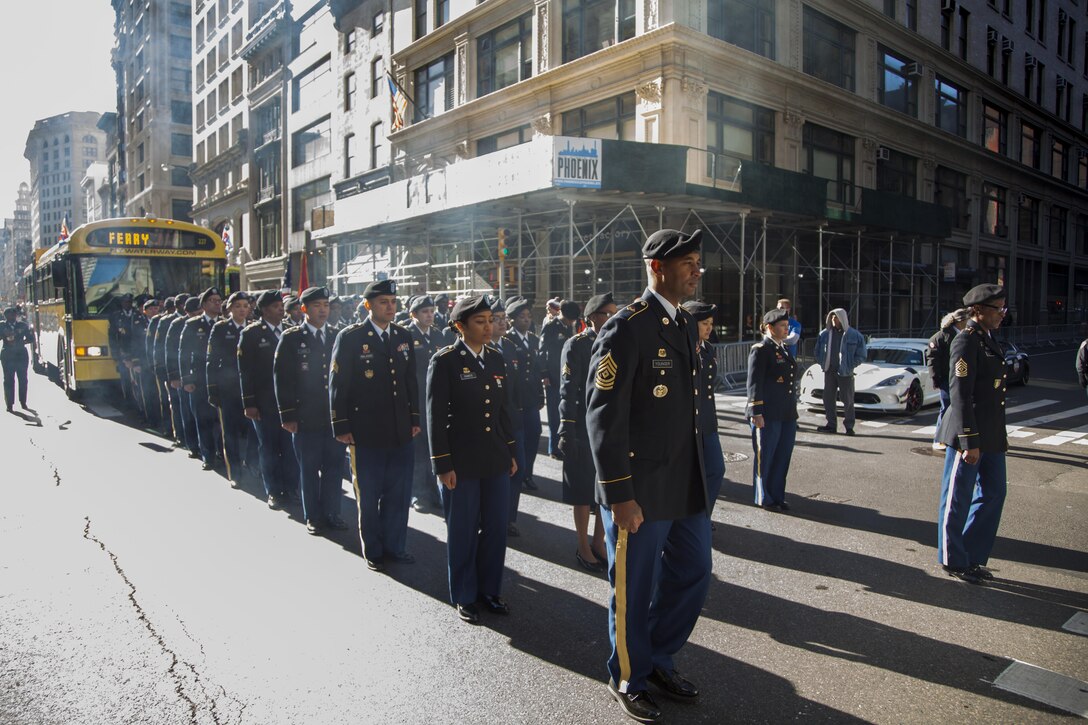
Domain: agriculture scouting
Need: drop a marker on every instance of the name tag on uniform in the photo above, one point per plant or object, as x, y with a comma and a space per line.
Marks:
662, 363
263, 343
467, 374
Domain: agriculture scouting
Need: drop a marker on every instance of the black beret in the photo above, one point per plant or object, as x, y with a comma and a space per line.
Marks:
268, 297
984, 293
192, 304
380, 287
466, 307
496, 304
335, 300
168, 302
149, 303
313, 294
700, 310
10, 311
208, 293
515, 309
669, 243
235, 297
775, 316
179, 300
442, 299
512, 299
420, 302
597, 302
570, 310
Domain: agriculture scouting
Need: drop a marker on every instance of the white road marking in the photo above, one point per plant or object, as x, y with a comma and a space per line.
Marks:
929, 430
1051, 688
1020, 434
1065, 436
1078, 623
1082, 441
874, 423
1044, 419
1028, 406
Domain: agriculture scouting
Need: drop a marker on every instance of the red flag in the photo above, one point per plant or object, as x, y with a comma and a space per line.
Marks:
63, 229
303, 278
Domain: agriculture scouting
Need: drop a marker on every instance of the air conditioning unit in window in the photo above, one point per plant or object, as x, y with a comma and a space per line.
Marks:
914, 69
1030, 61
991, 36
1006, 45
1082, 153
948, 6
883, 153
1060, 82
1062, 16
1023, 199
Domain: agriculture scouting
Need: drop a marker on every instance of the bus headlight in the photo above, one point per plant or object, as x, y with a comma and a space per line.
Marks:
92, 351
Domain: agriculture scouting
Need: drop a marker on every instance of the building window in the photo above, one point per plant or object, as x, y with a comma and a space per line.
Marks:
950, 191
141, 183
964, 14
1030, 137
951, 107
441, 12
504, 56
898, 82
898, 174
312, 142
179, 176
946, 30
995, 123
140, 153
991, 51
434, 88
376, 24
224, 95
1029, 16
889, 8
1062, 93
181, 144
830, 155
349, 41
1059, 221
420, 18
236, 81
181, 112
612, 118
499, 141
912, 15
992, 218
349, 91
1082, 169
309, 32
739, 130
306, 198
268, 232
179, 46
748, 24
1059, 159
828, 49
590, 25
312, 85
377, 72
237, 35
1028, 221
349, 156
377, 147
224, 51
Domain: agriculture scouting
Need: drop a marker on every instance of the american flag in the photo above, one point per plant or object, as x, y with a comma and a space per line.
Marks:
63, 229
399, 101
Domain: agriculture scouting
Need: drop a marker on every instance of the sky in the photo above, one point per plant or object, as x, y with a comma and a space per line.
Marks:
54, 58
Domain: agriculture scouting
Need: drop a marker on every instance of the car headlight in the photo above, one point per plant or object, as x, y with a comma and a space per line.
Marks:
890, 381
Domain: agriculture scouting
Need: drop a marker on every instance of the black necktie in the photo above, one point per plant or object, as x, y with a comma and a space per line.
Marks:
321, 338
385, 337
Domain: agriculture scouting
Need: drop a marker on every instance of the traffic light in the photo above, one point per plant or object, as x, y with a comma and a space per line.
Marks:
504, 236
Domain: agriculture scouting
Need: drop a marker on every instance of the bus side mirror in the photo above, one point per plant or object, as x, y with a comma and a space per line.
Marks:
59, 272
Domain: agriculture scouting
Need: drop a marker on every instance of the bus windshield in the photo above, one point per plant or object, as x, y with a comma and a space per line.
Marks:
101, 281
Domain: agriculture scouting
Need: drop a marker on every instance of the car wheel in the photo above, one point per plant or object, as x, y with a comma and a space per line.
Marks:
1024, 377
913, 402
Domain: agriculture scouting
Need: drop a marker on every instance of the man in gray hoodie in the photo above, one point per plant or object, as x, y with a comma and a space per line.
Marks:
839, 349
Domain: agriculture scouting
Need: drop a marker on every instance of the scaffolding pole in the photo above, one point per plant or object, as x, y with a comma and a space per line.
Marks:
740, 294
570, 240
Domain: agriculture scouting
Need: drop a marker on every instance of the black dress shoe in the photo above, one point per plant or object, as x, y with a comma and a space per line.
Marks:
403, 558
594, 566
967, 575
274, 502
512, 530
495, 605
825, 429
530, 484
770, 507
193, 455
981, 572
312, 527
207, 466
849, 431
335, 522
783, 506
672, 683
419, 506
375, 565
468, 613
638, 705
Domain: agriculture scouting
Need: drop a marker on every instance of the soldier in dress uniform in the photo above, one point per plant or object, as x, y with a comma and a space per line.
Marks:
442, 311
293, 306
472, 447
301, 371
224, 384
120, 336
553, 335
375, 412
772, 411
173, 374
579, 475
336, 308
713, 460
159, 397
14, 336
143, 373
174, 428
973, 429
256, 354
512, 359
641, 415
194, 373
937, 360
529, 379
427, 339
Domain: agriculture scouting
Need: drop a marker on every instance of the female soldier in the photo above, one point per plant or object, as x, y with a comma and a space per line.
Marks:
472, 449
772, 411
713, 460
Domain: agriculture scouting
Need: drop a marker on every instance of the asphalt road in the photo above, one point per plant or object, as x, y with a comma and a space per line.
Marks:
135, 588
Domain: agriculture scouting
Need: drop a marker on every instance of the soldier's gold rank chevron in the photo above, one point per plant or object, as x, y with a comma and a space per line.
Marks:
606, 373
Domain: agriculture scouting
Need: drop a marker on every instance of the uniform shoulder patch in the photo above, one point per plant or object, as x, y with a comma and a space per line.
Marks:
444, 351
757, 346
605, 379
961, 368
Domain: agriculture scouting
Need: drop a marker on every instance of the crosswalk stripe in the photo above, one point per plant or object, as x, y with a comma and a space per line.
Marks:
1029, 406
874, 423
927, 431
1044, 419
1065, 436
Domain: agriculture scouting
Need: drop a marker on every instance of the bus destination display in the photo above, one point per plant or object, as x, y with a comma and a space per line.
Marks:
149, 239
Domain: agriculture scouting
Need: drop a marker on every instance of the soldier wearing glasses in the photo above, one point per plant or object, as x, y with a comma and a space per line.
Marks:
973, 431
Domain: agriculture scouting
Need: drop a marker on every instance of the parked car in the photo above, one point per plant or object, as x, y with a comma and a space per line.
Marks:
893, 379
1016, 363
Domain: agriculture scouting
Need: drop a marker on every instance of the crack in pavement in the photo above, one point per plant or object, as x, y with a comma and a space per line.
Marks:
56, 473
176, 663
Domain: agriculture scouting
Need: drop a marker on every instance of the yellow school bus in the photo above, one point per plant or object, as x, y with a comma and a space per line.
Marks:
73, 287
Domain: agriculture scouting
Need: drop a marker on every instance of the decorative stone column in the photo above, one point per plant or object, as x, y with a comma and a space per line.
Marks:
792, 122
649, 112
541, 37
462, 70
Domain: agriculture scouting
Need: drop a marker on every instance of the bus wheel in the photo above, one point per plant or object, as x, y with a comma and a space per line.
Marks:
71, 392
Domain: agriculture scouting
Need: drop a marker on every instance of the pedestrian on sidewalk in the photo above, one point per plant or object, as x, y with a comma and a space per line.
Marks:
14, 357
772, 411
839, 349
937, 360
973, 429
794, 338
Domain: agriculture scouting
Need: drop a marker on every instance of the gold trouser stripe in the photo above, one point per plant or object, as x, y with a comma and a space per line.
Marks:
621, 609
226, 458
358, 495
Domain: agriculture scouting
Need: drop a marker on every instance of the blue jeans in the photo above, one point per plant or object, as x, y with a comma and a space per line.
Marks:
381, 477
945, 402
476, 516
773, 447
659, 577
972, 497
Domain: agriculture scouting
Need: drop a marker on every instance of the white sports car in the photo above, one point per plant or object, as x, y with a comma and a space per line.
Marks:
893, 378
